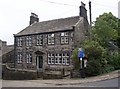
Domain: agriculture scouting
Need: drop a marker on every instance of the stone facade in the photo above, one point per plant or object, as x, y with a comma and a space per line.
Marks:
7, 52
47, 46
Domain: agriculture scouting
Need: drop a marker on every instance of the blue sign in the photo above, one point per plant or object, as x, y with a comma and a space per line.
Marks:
80, 53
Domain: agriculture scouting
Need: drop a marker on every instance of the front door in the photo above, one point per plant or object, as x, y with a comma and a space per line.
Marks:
39, 62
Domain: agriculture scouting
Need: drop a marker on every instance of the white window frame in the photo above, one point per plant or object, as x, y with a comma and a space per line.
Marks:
51, 38
28, 40
58, 58
29, 58
64, 38
19, 58
39, 39
68, 61
19, 41
51, 59
65, 59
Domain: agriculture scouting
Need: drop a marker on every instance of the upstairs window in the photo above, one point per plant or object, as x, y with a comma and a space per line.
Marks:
64, 38
19, 58
29, 58
19, 41
28, 41
51, 38
39, 39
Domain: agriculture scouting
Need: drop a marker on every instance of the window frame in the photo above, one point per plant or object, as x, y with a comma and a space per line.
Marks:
19, 58
51, 39
28, 41
51, 58
28, 58
39, 40
64, 38
19, 41
58, 58
65, 58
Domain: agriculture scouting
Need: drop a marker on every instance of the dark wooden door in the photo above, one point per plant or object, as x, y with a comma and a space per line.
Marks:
39, 60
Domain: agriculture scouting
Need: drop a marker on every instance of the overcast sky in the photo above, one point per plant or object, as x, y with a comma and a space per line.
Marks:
14, 14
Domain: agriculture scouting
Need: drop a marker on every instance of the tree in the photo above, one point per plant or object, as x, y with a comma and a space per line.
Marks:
104, 32
96, 57
105, 29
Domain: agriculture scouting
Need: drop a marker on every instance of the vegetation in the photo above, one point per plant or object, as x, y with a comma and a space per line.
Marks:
102, 48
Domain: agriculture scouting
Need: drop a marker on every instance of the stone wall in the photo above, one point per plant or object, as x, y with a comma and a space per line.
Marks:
17, 74
81, 28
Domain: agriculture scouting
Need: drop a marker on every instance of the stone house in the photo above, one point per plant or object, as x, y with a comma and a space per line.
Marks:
6, 52
48, 45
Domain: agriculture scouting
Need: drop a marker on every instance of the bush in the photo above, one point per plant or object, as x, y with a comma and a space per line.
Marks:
93, 68
107, 68
75, 59
114, 60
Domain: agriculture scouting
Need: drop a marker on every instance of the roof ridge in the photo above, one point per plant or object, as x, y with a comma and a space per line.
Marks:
58, 19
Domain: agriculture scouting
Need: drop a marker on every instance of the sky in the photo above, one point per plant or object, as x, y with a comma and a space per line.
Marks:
15, 14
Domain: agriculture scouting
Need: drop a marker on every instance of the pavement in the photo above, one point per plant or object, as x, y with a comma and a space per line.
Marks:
59, 82
106, 76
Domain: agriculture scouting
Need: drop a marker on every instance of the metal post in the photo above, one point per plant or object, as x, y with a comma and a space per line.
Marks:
80, 63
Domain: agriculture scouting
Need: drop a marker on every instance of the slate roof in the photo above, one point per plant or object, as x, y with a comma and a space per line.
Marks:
50, 26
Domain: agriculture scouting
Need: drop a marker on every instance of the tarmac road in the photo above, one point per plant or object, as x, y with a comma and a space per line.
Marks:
104, 83
46, 83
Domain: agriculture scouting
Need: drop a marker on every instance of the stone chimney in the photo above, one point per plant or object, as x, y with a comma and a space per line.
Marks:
33, 18
83, 11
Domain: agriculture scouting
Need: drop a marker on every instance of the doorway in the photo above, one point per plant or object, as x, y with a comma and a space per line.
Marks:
39, 62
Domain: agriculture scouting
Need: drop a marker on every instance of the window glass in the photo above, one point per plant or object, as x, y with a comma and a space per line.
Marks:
19, 58
19, 41
39, 39
64, 38
59, 58
51, 58
29, 58
28, 40
51, 38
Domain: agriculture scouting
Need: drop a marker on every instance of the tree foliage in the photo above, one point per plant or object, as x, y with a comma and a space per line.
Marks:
105, 29
96, 57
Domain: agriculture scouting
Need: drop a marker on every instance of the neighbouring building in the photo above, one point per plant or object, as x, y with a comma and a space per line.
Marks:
48, 45
6, 52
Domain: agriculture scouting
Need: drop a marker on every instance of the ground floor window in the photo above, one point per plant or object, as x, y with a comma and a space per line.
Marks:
19, 58
59, 58
29, 58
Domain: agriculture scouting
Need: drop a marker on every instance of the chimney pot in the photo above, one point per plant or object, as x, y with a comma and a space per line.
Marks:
83, 11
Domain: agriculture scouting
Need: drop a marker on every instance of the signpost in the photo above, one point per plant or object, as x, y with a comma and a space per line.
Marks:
81, 55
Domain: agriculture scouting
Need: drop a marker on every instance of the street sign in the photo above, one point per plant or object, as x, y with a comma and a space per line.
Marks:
80, 53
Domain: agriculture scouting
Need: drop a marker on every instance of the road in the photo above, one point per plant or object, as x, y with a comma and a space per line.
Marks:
59, 83
104, 83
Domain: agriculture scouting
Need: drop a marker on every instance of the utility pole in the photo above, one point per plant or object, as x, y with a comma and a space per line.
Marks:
90, 16
90, 13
